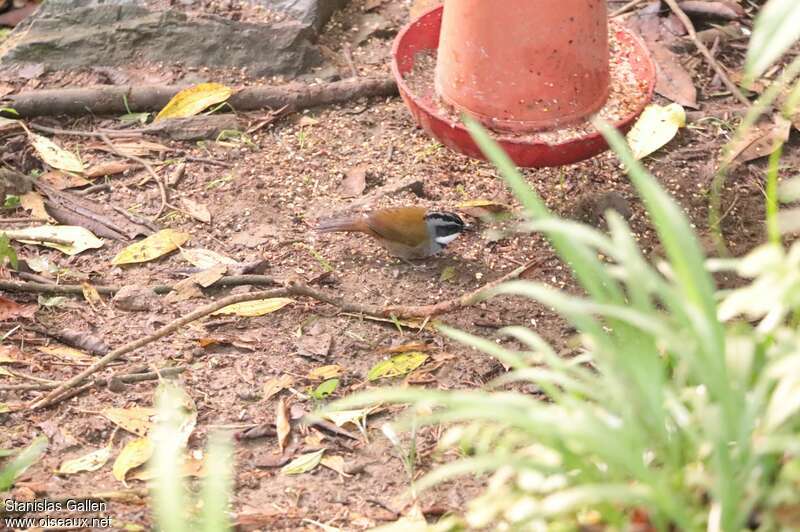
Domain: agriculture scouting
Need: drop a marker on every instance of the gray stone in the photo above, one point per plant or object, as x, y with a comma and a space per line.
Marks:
67, 34
313, 13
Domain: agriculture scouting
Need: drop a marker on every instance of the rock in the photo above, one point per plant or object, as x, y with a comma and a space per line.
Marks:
69, 34
134, 298
312, 13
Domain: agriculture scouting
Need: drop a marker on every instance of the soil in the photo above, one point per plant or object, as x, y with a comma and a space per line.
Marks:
264, 203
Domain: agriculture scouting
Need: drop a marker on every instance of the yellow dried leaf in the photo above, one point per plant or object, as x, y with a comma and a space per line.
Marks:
91, 295
88, 462
53, 155
135, 419
397, 365
325, 372
134, 454
259, 307
335, 463
80, 238
655, 128
66, 353
274, 386
34, 203
193, 100
205, 258
152, 247
303, 464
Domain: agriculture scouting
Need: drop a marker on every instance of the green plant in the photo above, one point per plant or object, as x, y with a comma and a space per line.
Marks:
17, 465
171, 503
674, 412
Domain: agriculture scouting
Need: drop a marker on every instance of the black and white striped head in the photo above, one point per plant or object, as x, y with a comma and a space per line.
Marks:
444, 227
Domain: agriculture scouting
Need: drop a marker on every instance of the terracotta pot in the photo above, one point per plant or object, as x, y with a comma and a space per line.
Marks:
524, 65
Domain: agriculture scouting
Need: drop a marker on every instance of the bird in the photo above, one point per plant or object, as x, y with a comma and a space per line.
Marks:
405, 232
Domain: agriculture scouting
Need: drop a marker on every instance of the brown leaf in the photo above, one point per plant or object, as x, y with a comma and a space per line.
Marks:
34, 203
107, 168
713, 9
197, 210
760, 141
282, 424
138, 148
91, 295
354, 183
10, 309
673, 81
62, 180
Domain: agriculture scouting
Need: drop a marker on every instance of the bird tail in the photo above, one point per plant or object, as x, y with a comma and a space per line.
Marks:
332, 225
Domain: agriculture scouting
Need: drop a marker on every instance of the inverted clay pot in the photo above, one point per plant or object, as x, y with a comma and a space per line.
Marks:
524, 65
421, 39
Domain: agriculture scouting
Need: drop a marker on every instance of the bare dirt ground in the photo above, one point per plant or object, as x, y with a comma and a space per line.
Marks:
264, 203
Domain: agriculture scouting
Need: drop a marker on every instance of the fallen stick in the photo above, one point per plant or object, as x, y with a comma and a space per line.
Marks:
687, 23
398, 311
125, 379
110, 290
111, 100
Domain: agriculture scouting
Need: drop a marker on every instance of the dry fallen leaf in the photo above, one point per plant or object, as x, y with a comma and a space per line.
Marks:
152, 247
55, 156
274, 386
197, 210
397, 365
66, 353
10, 354
135, 419
91, 295
205, 258
193, 100
89, 462
11, 310
673, 81
336, 463
80, 239
325, 372
354, 183
759, 141
34, 203
282, 424
303, 464
63, 180
107, 168
256, 308
656, 126
134, 454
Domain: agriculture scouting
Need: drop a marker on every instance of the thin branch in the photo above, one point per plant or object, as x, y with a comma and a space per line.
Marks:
161, 187
399, 311
707, 53
110, 290
21, 219
624, 9
129, 378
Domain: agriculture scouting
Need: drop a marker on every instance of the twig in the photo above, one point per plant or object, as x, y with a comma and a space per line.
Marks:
398, 311
624, 9
21, 219
707, 53
81, 133
94, 188
135, 158
129, 378
110, 290
348, 56
214, 162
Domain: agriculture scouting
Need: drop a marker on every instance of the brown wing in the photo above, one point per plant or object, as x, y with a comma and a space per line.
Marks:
404, 225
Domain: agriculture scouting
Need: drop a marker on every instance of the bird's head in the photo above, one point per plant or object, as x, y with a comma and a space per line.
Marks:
444, 227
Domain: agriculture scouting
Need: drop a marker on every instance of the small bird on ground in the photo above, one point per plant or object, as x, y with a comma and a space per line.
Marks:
405, 232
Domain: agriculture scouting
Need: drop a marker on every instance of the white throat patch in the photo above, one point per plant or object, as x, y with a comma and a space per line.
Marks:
444, 240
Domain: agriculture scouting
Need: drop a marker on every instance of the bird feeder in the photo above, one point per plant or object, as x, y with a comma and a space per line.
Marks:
534, 72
